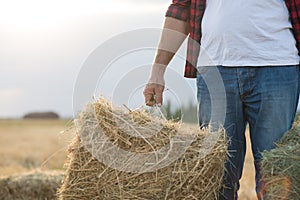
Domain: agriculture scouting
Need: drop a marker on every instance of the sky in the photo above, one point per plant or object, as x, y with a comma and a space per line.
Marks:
45, 46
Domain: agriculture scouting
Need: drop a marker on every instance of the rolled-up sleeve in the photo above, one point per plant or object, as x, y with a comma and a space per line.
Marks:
179, 9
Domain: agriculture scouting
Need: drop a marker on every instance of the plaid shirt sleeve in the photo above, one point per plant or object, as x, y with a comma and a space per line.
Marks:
294, 10
179, 9
192, 12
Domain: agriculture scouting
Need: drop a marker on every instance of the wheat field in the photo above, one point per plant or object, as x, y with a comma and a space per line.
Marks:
26, 145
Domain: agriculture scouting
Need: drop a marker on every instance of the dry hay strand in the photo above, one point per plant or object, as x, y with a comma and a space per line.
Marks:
195, 174
281, 167
31, 186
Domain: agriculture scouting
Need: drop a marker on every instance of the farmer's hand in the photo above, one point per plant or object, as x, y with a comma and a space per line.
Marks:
153, 91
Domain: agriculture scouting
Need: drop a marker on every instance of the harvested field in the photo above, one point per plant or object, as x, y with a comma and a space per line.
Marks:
22, 151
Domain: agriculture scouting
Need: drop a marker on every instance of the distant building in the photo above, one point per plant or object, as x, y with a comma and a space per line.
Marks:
41, 115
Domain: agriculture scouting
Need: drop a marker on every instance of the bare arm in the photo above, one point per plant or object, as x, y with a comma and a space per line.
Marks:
173, 34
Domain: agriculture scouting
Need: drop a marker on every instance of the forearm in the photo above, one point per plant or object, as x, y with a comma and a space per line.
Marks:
174, 33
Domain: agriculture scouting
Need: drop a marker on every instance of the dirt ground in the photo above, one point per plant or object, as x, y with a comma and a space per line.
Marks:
42, 144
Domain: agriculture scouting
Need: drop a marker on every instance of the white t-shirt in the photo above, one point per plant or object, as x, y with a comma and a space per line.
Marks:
247, 33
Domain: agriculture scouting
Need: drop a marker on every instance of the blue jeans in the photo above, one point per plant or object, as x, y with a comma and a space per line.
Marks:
266, 98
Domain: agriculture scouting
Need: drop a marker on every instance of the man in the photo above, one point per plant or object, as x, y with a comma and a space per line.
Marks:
253, 45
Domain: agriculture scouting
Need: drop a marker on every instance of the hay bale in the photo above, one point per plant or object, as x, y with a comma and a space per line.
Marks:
195, 173
30, 186
281, 167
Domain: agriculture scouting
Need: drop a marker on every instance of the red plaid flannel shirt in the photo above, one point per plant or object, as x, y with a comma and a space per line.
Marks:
193, 10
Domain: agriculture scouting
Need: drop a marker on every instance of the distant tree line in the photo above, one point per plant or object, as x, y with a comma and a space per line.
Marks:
41, 115
187, 113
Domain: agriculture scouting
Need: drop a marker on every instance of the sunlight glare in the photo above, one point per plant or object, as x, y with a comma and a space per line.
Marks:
42, 15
